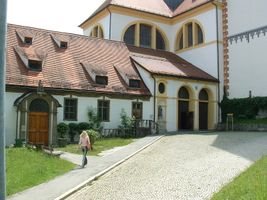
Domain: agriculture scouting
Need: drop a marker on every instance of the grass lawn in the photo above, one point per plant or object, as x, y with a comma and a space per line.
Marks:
26, 168
99, 145
250, 185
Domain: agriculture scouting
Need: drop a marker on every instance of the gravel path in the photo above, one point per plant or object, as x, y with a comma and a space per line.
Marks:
183, 167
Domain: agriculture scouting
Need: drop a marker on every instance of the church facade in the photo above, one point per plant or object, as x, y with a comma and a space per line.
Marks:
169, 61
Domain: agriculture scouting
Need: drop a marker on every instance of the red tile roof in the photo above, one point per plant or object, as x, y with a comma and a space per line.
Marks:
167, 63
157, 7
68, 68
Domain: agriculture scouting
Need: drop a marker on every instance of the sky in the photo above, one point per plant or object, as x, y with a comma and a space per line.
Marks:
57, 15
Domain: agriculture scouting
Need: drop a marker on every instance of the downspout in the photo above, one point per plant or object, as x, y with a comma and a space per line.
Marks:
154, 99
218, 59
109, 24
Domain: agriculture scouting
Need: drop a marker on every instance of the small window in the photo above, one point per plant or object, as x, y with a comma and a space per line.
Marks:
134, 83
63, 45
35, 65
160, 43
145, 35
129, 36
203, 95
28, 40
199, 35
70, 109
103, 110
183, 93
161, 88
101, 80
97, 31
190, 35
137, 110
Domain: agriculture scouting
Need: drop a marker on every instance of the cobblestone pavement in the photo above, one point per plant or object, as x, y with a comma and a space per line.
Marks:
183, 167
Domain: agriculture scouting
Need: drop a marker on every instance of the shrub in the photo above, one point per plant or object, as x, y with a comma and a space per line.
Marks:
73, 130
94, 120
83, 126
126, 121
62, 129
94, 135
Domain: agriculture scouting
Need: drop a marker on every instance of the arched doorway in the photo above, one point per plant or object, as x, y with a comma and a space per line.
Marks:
38, 122
203, 109
185, 118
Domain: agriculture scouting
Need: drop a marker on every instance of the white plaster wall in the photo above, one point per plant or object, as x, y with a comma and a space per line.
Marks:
105, 24
248, 67
10, 117
244, 15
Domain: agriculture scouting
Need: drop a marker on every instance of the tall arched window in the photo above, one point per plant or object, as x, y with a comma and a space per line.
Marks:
145, 35
97, 31
190, 35
183, 93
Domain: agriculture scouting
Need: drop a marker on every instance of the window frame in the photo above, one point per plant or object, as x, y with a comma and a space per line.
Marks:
32, 63
97, 77
135, 103
102, 110
131, 85
76, 110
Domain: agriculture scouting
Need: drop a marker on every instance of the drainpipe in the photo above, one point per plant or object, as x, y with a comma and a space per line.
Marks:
109, 24
154, 98
3, 25
218, 58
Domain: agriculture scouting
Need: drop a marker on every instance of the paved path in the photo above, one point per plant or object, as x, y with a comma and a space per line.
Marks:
179, 167
69, 182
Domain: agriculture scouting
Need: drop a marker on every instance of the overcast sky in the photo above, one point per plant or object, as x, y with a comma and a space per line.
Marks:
58, 15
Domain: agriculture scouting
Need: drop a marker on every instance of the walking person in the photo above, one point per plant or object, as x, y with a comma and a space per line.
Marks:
85, 146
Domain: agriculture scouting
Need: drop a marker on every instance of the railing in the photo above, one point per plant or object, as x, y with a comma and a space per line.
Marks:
140, 128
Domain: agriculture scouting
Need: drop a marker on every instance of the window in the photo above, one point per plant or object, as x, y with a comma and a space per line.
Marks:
161, 88
145, 35
134, 83
63, 45
183, 93
103, 110
190, 35
203, 95
129, 36
35, 65
101, 80
149, 36
97, 31
70, 109
160, 44
137, 110
28, 40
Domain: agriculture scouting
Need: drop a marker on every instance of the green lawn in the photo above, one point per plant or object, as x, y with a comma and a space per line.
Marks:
250, 185
26, 168
99, 146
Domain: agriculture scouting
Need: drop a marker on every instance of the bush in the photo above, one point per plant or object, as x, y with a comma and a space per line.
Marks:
126, 121
73, 130
94, 121
62, 129
94, 135
83, 126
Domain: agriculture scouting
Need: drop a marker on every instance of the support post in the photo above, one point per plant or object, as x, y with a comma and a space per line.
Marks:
3, 10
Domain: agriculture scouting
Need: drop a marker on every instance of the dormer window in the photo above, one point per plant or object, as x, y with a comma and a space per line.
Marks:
101, 80
63, 45
134, 83
35, 65
28, 40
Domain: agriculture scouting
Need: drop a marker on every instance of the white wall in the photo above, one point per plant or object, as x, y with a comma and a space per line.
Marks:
10, 117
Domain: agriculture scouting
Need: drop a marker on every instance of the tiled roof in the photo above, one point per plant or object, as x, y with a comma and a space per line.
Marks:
167, 63
62, 68
72, 68
157, 7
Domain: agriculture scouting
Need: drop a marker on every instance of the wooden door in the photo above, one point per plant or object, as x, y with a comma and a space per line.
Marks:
38, 128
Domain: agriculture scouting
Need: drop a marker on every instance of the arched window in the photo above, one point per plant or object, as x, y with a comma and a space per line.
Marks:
183, 93
39, 105
144, 35
193, 36
97, 31
129, 36
203, 95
